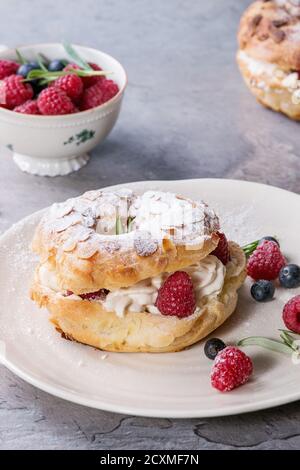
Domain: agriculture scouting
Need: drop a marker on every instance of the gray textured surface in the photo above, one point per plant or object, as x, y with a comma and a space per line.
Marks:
186, 114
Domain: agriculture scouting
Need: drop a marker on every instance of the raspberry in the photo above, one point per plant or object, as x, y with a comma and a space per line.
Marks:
90, 81
232, 368
98, 94
8, 67
291, 314
109, 89
29, 107
87, 81
222, 251
71, 67
99, 295
176, 296
53, 101
266, 261
71, 84
14, 91
91, 97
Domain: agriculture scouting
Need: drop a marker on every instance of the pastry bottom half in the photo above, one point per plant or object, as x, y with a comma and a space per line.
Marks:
88, 322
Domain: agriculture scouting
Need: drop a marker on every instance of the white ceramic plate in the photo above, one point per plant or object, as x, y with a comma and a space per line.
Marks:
160, 385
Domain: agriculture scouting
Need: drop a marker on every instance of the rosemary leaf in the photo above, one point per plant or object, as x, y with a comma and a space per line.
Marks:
41, 63
129, 223
76, 57
21, 59
119, 226
271, 344
248, 249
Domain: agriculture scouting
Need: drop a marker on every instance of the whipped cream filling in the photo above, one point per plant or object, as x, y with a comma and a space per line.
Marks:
276, 76
207, 276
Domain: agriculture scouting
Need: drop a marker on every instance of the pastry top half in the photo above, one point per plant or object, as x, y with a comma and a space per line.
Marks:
270, 32
110, 240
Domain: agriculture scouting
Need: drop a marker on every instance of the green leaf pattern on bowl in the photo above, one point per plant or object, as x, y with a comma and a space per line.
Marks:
81, 137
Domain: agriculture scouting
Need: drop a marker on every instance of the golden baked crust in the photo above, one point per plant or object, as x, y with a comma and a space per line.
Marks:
270, 31
89, 323
270, 90
85, 260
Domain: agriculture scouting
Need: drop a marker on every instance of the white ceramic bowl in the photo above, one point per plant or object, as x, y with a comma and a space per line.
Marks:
58, 145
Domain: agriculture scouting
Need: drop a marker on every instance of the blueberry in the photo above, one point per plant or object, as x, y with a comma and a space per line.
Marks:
24, 69
262, 290
289, 276
56, 65
213, 346
270, 239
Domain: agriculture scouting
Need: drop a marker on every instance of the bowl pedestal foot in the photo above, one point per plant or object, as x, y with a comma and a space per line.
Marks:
50, 166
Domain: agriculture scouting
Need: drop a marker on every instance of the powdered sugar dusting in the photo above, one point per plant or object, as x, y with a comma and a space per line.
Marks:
21, 318
99, 218
32, 342
241, 224
168, 214
144, 245
291, 6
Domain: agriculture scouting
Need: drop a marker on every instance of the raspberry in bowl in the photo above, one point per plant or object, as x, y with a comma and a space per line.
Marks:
53, 120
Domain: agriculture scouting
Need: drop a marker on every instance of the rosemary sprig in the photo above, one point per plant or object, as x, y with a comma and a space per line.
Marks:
46, 77
42, 74
267, 343
286, 346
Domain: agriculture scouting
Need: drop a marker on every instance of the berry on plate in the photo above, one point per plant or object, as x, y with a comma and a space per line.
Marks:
266, 261
262, 290
14, 91
289, 276
29, 107
268, 238
71, 84
176, 296
7, 68
222, 250
231, 368
53, 101
212, 347
291, 314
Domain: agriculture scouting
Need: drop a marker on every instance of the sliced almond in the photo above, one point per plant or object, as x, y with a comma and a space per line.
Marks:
86, 250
